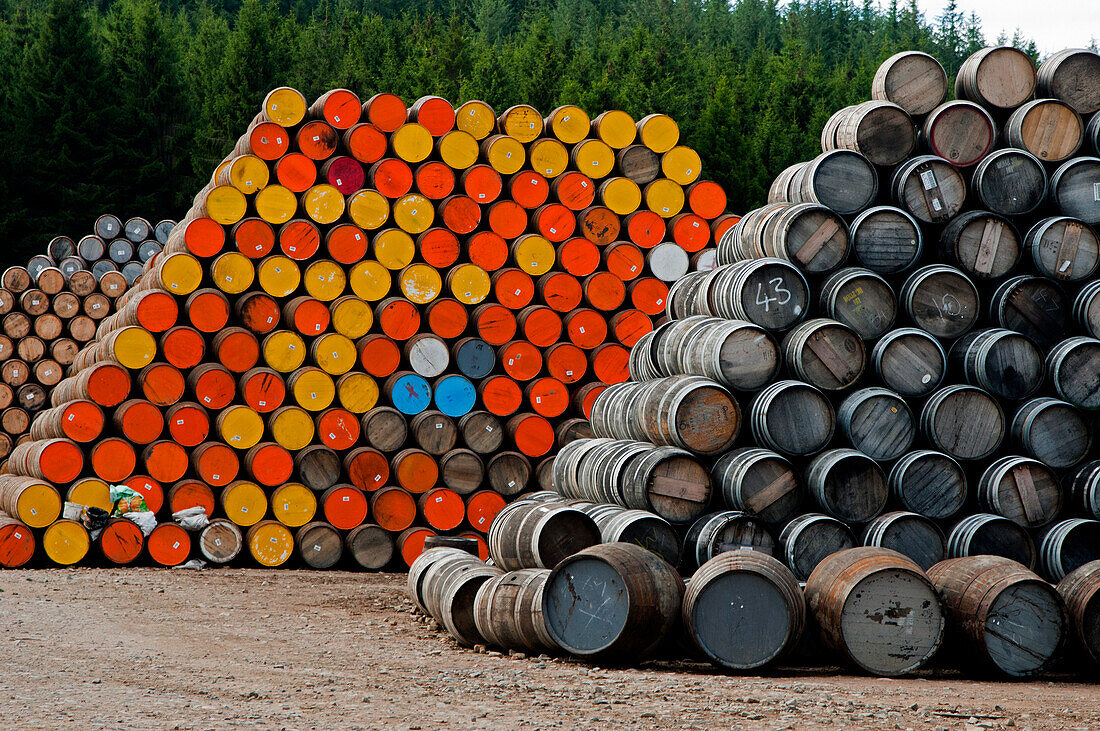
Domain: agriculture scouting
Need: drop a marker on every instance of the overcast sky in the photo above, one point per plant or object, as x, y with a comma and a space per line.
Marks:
1053, 24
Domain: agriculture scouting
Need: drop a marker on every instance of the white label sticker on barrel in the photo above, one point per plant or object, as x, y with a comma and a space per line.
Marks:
316, 138
71, 417
34, 511
1096, 191
273, 539
176, 544
928, 179
179, 422
488, 428
378, 478
926, 378
511, 483
217, 541
17, 535
315, 546
347, 498
216, 477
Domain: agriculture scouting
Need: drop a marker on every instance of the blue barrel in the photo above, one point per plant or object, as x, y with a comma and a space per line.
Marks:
455, 396
474, 357
408, 392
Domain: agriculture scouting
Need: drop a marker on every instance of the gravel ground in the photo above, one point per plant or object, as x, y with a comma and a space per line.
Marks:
250, 648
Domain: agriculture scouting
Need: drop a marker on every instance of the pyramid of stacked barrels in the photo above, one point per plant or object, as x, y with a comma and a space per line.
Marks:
375, 324
888, 388
50, 308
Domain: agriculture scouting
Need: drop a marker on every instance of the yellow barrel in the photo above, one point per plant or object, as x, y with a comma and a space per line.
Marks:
522, 122
457, 149
370, 281
681, 165
616, 128
393, 248
293, 504
334, 353
469, 284
420, 283
533, 254
357, 392
476, 118
271, 543
246, 173
66, 542
38, 505
244, 502
90, 492
180, 273
368, 209
240, 427
232, 272
226, 205
276, 205
658, 132
351, 316
412, 142
593, 158
414, 213
548, 157
325, 280
323, 203
313, 389
569, 124
664, 197
279, 275
621, 195
291, 427
285, 106
133, 347
284, 351
504, 154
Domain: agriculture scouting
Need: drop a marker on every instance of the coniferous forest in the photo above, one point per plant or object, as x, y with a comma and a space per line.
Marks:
128, 106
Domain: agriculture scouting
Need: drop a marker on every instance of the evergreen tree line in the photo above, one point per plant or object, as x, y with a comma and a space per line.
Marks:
128, 106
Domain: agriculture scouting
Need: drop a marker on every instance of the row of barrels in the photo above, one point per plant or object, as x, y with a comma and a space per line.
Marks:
114, 246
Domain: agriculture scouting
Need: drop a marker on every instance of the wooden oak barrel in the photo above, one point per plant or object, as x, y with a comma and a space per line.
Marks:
1067, 546
1021, 489
909, 361
929, 188
912, 535
759, 482
1072, 189
825, 353
941, 300
847, 485
999, 78
929, 483
1000, 361
963, 421
318, 545
768, 292
986, 534
1072, 366
842, 180
793, 418
1032, 306
1052, 431
861, 300
640, 527
729, 530
1079, 591
913, 80
810, 538
1070, 75
533, 535
1064, 249
880, 130
508, 611
960, 132
985, 245
1047, 128
877, 422
810, 236
1010, 182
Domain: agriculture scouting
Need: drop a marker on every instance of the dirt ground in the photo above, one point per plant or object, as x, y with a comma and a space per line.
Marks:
244, 648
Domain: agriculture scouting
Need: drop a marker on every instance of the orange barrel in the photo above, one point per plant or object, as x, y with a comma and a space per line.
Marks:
500, 395
165, 461
369, 280
254, 237
169, 545
540, 325
316, 140
365, 142
555, 222
378, 355
357, 392
154, 310
262, 389
707, 199
16, 543
367, 468
586, 328
628, 326
385, 111
121, 541
566, 362
183, 347
344, 506
269, 464
574, 190
213, 385
237, 349
215, 463
561, 291
113, 460
299, 239
191, 494
296, 172
528, 189
307, 315
439, 248
188, 423
139, 420
351, 316
645, 228
447, 318
162, 384
149, 489
649, 295
338, 429
208, 310
243, 502
398, 318
339, 107
624, 260
690, 231
415, 470
80, 420
481, 183
442, 508
513, 288
578, 256
435, 113
604, 291
411, 543
393, 508
723, 223
291, 427
435, 180
487, 249
55, 460
91, 492
32, 501
279, 276
283, 350
494, 323
600, 225
585, 397
482, 507
391, 177
548, 397
346, 243
521, 360
507, 219
610, 363
293, 504
312, 388
201, 236
460, 214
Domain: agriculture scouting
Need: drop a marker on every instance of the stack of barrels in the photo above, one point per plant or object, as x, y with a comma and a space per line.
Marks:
51, 308
377, 322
